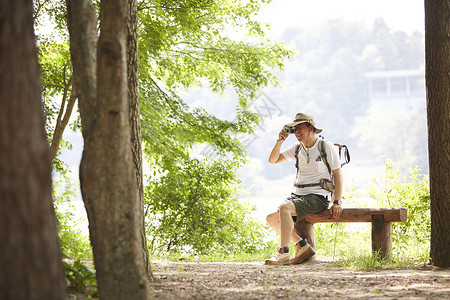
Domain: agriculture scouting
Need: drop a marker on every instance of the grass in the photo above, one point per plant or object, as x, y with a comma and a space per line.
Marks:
358, 261
342, 244
371, 262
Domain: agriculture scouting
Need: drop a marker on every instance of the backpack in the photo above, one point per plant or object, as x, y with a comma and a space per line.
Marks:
327, 184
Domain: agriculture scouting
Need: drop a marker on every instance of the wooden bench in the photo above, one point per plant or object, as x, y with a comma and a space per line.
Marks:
381, 219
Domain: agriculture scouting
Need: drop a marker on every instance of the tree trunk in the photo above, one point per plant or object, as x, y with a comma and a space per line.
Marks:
107, 173
437, 56
82, 25
30, 257
135, 121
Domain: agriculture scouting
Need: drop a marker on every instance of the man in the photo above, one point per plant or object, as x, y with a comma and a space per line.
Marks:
308, 197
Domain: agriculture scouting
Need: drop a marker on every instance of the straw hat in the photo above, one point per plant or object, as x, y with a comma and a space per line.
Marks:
304, 118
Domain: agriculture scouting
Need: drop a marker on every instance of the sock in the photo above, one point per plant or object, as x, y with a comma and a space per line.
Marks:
286, 249
303, 242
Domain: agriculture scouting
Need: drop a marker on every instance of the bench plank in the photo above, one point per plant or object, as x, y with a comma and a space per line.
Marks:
360, 215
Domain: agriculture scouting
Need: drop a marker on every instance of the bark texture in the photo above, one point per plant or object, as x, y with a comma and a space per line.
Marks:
135, 121
30, 257
437, 56
107, 173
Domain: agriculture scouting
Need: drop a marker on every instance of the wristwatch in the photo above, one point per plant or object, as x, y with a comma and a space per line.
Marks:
338, 202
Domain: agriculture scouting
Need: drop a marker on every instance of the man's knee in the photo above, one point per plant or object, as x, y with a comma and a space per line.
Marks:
287, 207
272, 218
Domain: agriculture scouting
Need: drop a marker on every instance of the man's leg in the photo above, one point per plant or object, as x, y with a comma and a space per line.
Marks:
273, 220
282, 223
307, 204
287, 210
285, 229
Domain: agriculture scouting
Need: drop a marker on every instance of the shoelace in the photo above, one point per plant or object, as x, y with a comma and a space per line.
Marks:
277, 254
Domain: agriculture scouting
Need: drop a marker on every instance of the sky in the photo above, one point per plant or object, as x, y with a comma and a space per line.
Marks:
405, 15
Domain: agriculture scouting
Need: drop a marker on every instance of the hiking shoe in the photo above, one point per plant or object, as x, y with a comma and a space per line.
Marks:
279, 258
302, 253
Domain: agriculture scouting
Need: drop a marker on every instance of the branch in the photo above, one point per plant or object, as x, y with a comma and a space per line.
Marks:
64, 97
165, 96
61, 124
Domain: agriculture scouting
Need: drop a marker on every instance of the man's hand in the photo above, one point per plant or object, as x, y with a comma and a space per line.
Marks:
283, 135
336, 211
275, 156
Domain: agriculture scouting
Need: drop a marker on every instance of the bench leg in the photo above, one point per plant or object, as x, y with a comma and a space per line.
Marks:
306, 230
381, 236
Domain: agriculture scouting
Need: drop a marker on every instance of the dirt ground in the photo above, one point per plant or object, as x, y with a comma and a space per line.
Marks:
311, 280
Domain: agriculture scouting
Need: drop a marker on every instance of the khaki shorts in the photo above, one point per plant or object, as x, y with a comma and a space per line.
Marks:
306, 205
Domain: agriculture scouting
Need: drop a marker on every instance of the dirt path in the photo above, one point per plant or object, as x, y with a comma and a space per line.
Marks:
311, 280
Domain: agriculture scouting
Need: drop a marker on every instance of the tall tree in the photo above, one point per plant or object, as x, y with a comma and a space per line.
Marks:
107, 174
183, 45
135, 120
193, 33
437, 56
30, 257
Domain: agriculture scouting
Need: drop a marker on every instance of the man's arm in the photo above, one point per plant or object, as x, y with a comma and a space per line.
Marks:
336, 209
275, 156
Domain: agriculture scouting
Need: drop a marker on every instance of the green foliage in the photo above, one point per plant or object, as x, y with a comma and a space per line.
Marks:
411, 238
349, 244
54, 58
186, 43
192, 209
80, 278
337, 241
51, 12
73, 244
170, 129
266, 250
191, 201
56, 77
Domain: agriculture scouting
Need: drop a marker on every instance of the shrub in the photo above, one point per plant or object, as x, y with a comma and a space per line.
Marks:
411, 238
73, 243
193, 209
349, 243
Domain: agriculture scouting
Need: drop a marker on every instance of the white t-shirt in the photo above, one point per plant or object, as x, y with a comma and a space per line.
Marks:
316, 169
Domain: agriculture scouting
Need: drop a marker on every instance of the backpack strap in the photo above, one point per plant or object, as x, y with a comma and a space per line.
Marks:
323, 154
296, 156
306, 185
343, 151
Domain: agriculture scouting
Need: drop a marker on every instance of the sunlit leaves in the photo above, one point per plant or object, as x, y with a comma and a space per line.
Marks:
56, 78
187, 42
412, 193
191, 202
192, 208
